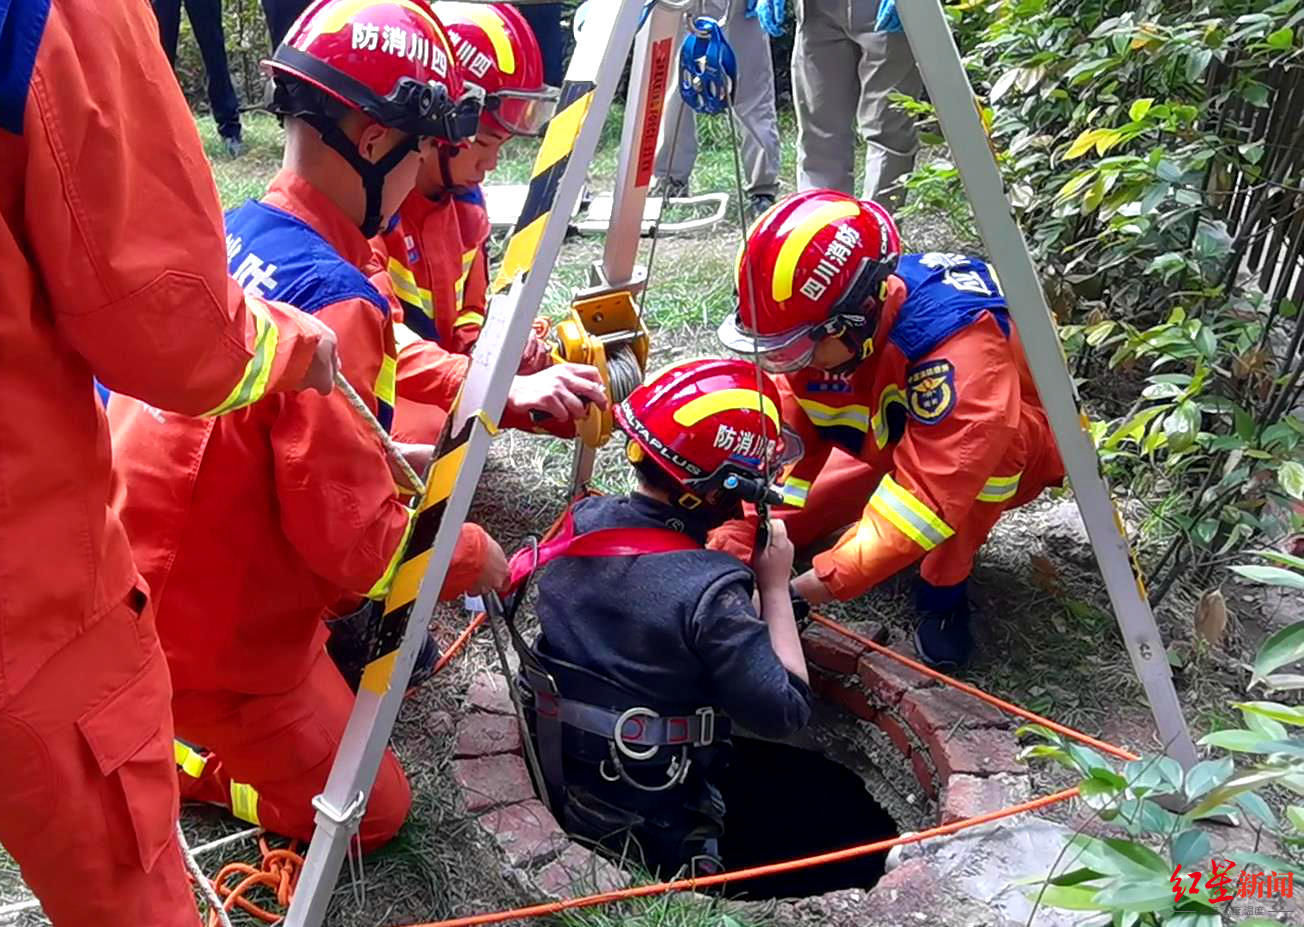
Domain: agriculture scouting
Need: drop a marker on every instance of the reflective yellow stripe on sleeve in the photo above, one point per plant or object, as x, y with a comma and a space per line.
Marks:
822, 416
469, 318
387, 379
1000, 488
244, 803
795, 492
381, 588
253, 383
910, 516
879, 422
405, 287
459, 288
189, 760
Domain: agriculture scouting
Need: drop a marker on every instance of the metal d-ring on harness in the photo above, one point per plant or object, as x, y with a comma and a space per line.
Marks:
635, 734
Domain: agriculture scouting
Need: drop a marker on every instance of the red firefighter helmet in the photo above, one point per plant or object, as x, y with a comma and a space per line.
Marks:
498, 51
813, 265
702, 421
390, 59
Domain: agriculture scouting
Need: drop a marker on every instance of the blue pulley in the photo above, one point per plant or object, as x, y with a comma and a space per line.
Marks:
707, 68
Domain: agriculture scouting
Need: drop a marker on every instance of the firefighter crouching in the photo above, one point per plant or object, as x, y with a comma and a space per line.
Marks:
905, 390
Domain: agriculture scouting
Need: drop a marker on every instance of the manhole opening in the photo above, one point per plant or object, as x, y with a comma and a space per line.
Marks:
785, 803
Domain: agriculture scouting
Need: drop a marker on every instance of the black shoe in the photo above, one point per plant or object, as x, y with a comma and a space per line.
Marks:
669, 188
234, 145
757, 203
943, 638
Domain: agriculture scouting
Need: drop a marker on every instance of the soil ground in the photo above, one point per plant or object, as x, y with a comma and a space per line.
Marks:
1046, 636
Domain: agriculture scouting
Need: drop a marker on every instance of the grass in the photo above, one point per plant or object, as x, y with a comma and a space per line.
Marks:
1047, 641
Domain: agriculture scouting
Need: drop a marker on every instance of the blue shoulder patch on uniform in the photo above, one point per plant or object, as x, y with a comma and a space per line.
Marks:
22, 24
945, 293
473, 195
281, 257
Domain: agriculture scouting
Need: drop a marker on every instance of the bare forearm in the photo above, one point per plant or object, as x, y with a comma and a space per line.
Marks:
776, 610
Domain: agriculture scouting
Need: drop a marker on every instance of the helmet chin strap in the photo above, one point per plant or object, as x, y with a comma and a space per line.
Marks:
372, 173
446, 155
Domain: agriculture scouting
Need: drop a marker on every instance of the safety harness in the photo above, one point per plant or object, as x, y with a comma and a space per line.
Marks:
620, 731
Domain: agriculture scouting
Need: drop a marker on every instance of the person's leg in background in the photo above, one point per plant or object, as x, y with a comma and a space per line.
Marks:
267, 756
545, 20
887, 66
206, 21
168, 13
89, 785
281, 15
755, 107
824, 62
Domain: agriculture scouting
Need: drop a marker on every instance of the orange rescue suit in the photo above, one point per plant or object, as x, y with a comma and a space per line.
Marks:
111, 266
936, 433
252, 527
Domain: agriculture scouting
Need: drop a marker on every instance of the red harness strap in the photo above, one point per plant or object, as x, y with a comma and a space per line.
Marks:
605, 542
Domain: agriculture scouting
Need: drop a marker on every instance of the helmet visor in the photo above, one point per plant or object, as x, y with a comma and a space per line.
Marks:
523, 112
785, 352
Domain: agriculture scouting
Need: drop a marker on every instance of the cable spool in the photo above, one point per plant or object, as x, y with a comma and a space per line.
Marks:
605, 332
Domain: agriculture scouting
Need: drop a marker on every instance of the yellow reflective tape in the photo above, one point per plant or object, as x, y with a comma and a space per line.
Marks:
493, 28
244, 803
910, 516
520, 251
386, 380
785, 268
822, 416
381, 587
440, 485
407, 582
1000, 488
795, 492
189, 761
253, 382
891, 394
562, 132
492, 426
376, 677
726, 400
469, 318
401, 275
469, 258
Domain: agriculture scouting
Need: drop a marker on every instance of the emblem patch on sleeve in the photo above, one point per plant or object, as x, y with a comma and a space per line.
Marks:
930, 391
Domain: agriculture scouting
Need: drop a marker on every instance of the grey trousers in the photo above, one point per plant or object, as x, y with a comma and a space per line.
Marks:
754, 106
843, 74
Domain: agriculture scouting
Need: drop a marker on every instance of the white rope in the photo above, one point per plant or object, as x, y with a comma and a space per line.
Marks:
392, 450
205, 886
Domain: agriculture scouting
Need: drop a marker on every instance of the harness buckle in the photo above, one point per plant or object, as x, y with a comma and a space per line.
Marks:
635, 714
706, 735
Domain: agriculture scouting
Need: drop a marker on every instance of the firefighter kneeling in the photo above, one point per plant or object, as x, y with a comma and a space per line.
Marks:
650, 643
905, 389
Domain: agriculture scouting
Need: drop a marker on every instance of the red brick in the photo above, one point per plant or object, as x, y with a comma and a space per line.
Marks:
525, 832
480, 734
890, 723
966, 796
977, 752
924, 773
488, 692
930, 711
889, 680
850, 698
493, 780
577, 872
836, 652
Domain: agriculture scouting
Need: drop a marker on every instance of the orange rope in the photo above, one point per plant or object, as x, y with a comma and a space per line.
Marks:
278, 872
661, 888
458, 644
976, 693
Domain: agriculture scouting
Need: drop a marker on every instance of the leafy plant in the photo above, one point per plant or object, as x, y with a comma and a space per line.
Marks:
1132, 880
1146, 153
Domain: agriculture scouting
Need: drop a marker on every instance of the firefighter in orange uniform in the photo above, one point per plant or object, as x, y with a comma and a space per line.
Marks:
111, 267
905, 390
437, 256
255, 527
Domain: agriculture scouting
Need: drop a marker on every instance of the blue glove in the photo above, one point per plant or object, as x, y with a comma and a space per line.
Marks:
888, 20
772, 14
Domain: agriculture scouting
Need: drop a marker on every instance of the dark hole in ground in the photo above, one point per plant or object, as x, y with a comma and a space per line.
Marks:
784, 803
